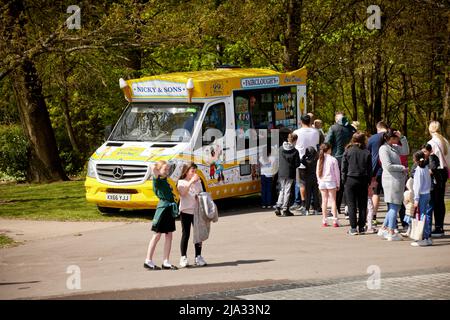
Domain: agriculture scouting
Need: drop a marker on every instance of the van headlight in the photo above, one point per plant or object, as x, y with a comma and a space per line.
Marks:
91, 169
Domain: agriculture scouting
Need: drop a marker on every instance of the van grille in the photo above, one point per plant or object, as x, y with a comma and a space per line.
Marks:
121, 173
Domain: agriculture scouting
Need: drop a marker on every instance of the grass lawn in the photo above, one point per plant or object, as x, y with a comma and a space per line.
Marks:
63, 201
6, 241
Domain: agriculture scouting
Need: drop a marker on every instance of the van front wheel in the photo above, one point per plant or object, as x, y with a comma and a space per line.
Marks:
106, 210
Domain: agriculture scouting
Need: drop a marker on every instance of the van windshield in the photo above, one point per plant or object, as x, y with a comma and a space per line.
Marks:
163, 122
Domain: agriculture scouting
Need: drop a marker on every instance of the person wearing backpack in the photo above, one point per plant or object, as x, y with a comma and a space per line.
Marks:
289, 161
309, 160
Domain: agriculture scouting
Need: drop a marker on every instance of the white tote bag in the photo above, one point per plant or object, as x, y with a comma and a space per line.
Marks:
417, 227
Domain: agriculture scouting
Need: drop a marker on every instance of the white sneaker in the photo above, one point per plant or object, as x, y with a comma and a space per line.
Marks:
199, 261
394, 237
421, 243
346, 210
184, 262
429, 241
382, 233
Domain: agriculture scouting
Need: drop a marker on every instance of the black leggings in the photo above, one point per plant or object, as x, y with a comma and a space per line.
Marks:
438, 200
312, 189
356, 195
186, 221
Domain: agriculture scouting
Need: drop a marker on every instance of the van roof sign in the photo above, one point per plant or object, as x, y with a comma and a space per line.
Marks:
208, 84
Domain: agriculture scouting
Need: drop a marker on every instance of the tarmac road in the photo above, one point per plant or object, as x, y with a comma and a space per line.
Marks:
248, 248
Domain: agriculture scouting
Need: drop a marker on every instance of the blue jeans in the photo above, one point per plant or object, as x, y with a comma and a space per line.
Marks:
298, 198
390, 221
425, 213
266, 190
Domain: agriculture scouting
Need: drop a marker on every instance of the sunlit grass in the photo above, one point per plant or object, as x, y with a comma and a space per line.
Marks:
62, 201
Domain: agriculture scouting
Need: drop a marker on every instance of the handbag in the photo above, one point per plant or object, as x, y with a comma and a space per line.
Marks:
417, 226
207, 206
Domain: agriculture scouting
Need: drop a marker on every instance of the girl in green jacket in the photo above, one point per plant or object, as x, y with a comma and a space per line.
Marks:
164, 219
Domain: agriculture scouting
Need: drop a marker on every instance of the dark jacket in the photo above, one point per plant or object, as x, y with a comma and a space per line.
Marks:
357, 162
289, 161
436, 175
339, 136
309, 160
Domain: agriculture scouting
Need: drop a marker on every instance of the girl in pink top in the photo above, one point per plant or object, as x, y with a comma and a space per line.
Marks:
328, 178
189, 185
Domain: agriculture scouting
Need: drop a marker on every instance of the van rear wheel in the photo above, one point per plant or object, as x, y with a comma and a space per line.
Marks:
107, 210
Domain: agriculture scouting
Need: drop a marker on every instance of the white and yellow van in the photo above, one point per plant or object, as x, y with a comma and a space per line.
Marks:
217, 119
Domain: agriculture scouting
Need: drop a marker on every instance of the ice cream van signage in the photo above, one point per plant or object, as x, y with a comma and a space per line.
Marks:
260, 82
159, 88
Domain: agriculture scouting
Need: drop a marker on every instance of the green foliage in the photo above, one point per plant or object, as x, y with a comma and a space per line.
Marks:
13, 152
129, 39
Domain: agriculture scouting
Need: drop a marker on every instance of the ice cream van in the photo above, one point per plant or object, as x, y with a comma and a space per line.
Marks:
219, 119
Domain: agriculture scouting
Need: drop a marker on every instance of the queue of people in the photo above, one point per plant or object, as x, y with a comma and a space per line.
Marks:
353, 170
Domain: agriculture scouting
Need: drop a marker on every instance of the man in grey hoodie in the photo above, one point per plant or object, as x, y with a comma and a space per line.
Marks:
289, 161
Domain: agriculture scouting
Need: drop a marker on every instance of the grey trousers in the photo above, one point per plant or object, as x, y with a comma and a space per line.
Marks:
285, 192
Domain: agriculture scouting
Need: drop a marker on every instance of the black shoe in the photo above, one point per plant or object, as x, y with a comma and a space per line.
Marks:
278, 211
362, 231
437, 233
352, 232
287, 213
147, 266
172, 267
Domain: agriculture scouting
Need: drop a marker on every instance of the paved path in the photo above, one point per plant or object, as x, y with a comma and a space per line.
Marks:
248, 248
29, 230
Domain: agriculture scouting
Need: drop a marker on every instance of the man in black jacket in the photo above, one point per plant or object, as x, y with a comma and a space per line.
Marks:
289, 160
339, 136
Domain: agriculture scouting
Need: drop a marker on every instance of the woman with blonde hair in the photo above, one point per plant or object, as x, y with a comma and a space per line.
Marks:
441, 148
164, 218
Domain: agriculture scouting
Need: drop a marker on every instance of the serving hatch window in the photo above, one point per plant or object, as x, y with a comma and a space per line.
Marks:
162, 122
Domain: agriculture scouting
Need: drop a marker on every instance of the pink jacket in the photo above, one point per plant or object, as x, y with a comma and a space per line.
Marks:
330, 170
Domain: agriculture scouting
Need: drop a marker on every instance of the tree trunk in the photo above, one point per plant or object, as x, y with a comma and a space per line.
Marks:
445, 94
405, 104
378, 90
417, 107
446, 113
45, 164
44, 161
66, 106
365, 104
354, 97
68, 120
386, 92
292, 35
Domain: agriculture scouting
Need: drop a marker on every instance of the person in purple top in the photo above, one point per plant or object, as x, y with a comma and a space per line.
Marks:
373, 145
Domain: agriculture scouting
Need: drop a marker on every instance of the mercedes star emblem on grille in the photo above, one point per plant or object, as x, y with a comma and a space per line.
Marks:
118, 173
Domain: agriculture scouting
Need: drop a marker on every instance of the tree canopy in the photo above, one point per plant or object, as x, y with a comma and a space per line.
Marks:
61, 85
